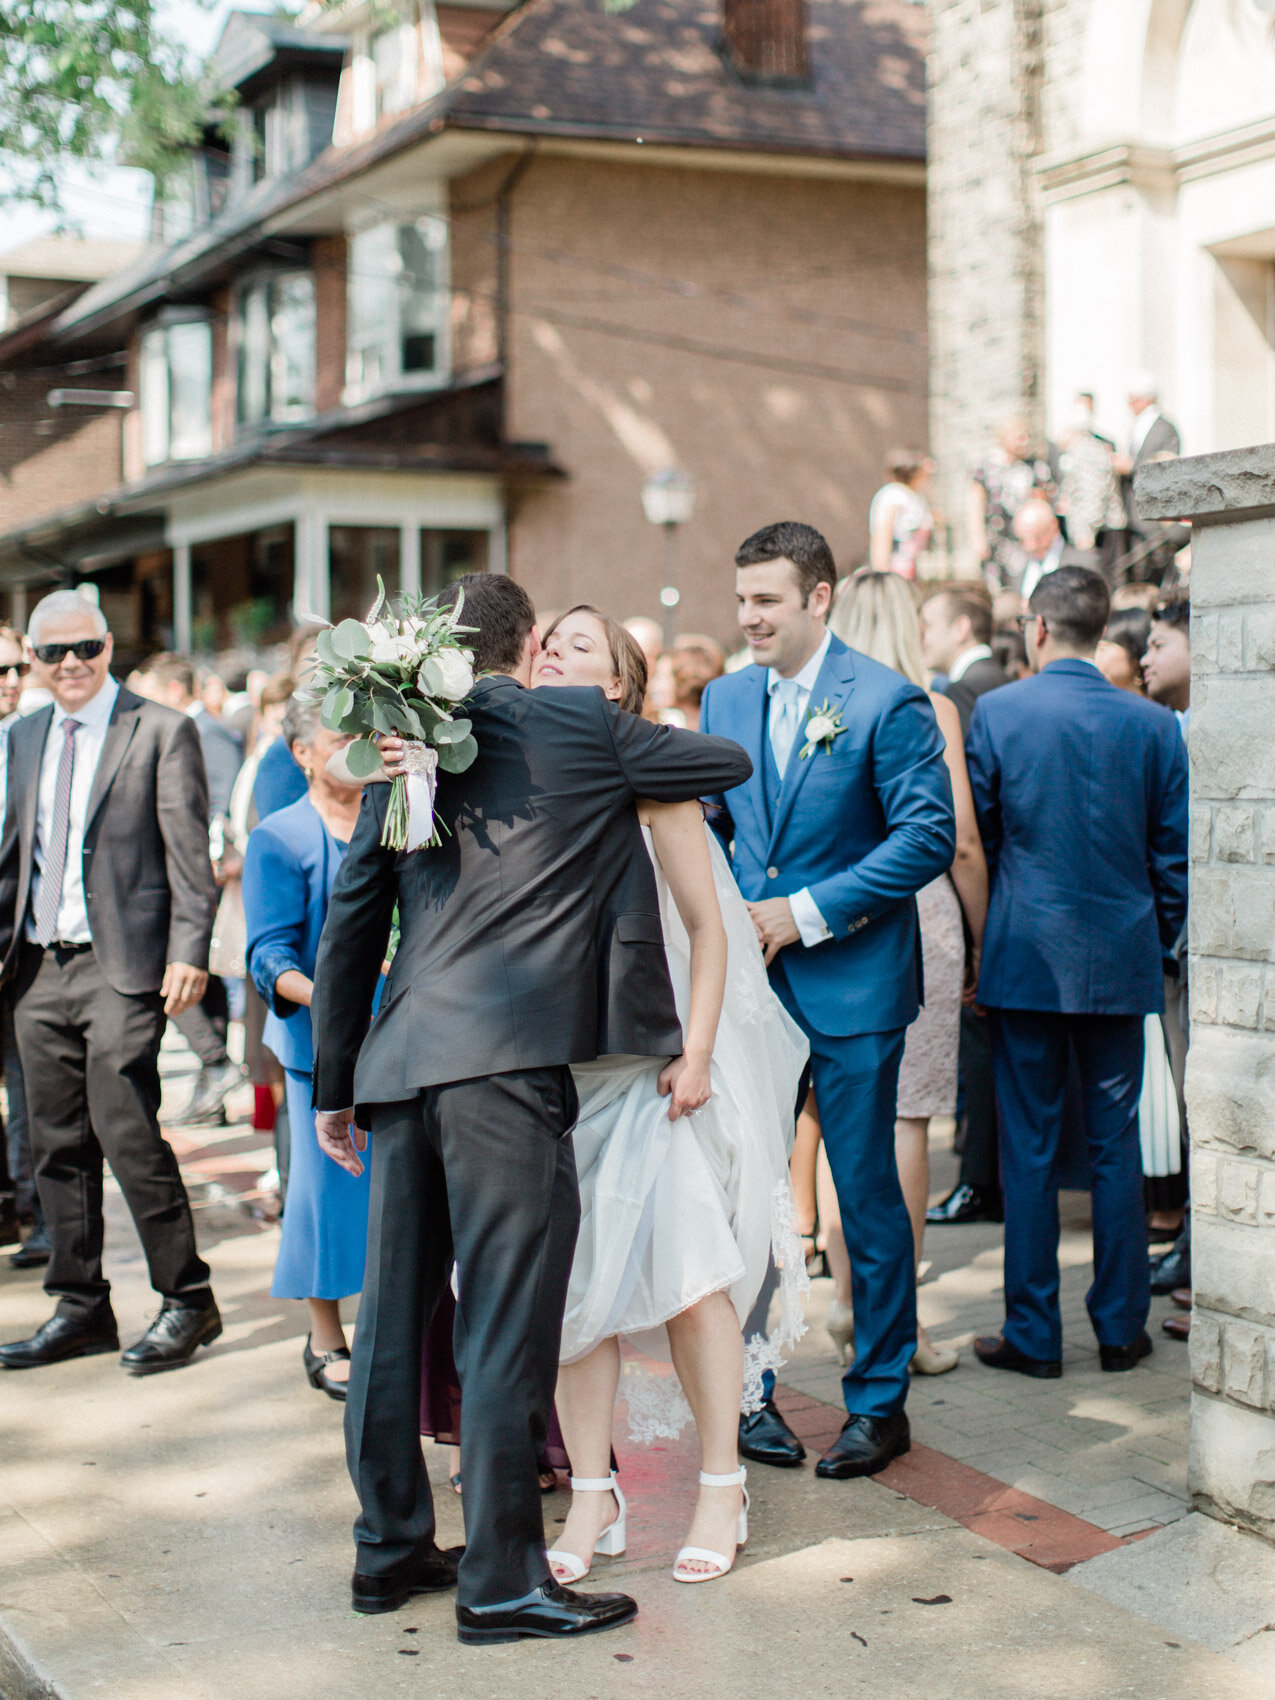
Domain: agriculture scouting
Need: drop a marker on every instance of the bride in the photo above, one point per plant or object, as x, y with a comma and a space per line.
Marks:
683, 1171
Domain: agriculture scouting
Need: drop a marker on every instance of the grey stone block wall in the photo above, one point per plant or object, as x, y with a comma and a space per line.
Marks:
1231, 1066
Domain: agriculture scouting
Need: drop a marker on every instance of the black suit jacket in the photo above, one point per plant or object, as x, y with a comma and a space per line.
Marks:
531, 935
148, 882
983, 675
1162, 441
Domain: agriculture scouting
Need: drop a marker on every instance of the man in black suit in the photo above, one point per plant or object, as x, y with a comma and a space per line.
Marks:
107, 902
956, 642
529, 939
1152, 436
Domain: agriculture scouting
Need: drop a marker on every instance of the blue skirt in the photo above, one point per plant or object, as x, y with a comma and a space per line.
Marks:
324, 1240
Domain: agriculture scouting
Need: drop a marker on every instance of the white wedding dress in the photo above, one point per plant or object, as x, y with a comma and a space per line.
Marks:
674, 1211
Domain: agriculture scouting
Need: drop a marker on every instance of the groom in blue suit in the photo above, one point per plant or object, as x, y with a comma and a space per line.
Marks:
847, 815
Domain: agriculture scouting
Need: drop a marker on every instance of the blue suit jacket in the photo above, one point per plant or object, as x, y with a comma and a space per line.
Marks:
1081, 793
863, 825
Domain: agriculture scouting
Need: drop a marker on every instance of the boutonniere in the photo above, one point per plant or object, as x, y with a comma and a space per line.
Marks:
823, 727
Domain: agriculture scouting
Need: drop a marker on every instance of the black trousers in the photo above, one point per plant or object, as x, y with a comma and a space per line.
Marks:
483, 1170
980, 1155
90, 1061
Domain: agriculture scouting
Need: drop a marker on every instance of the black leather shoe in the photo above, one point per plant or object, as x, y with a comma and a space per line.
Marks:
428, 1573
34, 1254
965, 1204
1173, 1269
173, 1338
997, 1353
316, 1369
10, 1222
212, 1087
554, 1611
62, 1337
765, 1438
1116, 1358
865, 1445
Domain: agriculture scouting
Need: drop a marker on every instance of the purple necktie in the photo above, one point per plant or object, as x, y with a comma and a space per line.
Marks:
51, 875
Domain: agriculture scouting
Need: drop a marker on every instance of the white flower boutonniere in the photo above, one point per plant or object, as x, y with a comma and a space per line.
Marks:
823, 728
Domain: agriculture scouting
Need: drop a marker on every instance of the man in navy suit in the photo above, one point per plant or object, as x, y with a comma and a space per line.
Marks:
1081, 792
847, 815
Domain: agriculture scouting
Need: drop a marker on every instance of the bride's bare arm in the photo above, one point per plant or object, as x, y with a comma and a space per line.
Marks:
681, 847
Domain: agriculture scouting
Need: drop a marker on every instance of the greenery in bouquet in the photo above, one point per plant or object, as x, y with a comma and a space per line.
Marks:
399, 672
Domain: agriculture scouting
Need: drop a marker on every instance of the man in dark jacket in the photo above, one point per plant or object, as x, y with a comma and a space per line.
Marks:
1081, 793
530, 939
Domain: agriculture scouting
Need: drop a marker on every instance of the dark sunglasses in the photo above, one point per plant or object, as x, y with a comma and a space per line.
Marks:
21, 668
52, 654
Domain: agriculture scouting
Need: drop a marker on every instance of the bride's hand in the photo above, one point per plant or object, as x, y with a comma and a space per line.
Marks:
687, 1081
391, 748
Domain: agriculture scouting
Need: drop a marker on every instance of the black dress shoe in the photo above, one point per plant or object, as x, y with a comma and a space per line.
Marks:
1116, 1358
317, 1372
35, 1253
965, 1204
554, 1611
173, 1338
62, 1337
865, 1445
765, 1438
212, 1087
427, 1573
997, 1353
1173, 1269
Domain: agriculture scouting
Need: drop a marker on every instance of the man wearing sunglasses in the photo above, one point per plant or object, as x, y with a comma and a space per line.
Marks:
107, 901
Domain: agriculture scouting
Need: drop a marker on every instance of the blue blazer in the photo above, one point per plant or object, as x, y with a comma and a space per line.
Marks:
864, 825
1081, 793
289, 870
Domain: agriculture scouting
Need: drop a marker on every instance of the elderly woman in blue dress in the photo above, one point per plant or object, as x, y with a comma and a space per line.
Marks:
289, 870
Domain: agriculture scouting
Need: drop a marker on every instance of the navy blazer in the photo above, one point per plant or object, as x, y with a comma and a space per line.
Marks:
1081, 793
863, 825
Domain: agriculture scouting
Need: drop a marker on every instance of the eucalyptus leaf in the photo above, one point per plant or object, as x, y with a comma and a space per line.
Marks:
324, 650
455, 758
350, 641
430, 677
452, 731
343, 707
363, 758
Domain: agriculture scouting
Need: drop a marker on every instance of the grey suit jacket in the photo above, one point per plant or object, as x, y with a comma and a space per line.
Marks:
148, 882
223, 757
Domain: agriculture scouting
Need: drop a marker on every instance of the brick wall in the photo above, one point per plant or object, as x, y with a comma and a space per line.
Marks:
328, 257
721, 321
51, 459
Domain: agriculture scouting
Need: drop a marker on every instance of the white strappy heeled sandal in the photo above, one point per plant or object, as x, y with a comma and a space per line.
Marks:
737, 1478
609, 1544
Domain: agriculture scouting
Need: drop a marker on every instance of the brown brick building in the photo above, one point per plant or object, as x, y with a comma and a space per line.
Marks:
459, 287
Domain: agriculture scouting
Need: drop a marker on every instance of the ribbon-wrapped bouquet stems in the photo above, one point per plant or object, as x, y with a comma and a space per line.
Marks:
402, 674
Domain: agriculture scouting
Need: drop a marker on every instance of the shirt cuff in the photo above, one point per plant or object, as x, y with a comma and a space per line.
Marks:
810, 923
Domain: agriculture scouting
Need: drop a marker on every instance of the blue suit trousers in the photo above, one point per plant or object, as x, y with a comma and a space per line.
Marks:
1030, 1051
856, 1082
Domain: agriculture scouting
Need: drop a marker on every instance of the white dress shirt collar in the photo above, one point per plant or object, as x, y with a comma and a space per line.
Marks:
805, 680
966, 659
1142, 427
93, 714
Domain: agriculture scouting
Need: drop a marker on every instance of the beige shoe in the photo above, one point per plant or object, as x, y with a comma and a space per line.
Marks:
931, 1359
840, 1325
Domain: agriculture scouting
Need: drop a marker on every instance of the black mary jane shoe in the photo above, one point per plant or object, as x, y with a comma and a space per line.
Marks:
552, 1612
995, 1351
864, 1446
765, 1438
173, 1338
317, 1374
427, 1573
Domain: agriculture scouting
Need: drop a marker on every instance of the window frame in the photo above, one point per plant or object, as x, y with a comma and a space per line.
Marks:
254, 309
394, 377
161, 440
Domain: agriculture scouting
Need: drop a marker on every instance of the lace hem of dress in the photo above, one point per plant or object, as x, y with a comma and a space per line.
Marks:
657, 1405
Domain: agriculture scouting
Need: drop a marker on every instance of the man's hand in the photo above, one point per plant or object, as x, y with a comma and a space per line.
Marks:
340, 1139
775, 926
183, 986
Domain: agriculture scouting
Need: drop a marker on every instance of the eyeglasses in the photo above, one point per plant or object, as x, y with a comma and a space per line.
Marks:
1024, 620
52, 654
21, 668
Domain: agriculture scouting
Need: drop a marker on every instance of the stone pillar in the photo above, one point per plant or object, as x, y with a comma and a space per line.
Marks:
1230, 1082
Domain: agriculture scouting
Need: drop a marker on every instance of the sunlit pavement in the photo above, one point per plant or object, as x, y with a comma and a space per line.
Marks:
186, 1536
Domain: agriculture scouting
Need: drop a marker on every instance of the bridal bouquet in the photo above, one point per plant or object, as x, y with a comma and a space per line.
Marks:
399, 673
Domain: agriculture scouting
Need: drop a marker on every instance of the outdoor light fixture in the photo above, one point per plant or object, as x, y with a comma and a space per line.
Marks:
89, 398
668, 500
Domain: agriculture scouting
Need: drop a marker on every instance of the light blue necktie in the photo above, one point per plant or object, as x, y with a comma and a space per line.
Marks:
784, 695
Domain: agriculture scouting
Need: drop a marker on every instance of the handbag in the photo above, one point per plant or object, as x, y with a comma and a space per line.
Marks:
228, 951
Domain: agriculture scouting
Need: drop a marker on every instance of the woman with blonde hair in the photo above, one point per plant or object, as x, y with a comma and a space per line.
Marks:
875, 613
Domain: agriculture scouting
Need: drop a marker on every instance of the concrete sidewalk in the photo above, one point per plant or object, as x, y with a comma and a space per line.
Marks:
186, 1537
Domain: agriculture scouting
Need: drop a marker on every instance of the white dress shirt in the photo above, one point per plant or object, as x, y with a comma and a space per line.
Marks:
1141, 428
94, 716
1034, 571
805, 911
966, 659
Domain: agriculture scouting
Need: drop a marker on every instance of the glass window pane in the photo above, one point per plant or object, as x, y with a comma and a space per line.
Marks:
372, 309
356, 555
292, 340
422, 280
190, 390
449, 555
152, 388
253, 337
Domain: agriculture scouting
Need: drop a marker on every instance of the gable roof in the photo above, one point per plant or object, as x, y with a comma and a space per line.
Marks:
571, 68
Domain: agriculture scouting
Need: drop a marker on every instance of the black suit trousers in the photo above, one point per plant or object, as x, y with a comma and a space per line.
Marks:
483, 1170
90, 1063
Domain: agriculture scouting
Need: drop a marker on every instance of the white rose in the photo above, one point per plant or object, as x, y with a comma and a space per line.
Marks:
819, 727
458, 675
385, 649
